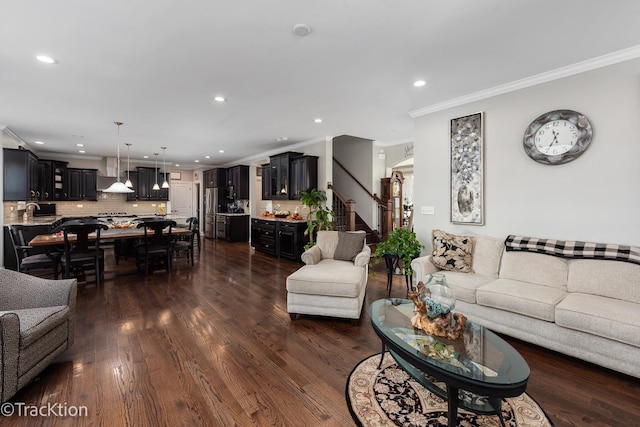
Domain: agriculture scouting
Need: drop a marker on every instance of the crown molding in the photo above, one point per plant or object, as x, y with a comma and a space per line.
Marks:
580, 67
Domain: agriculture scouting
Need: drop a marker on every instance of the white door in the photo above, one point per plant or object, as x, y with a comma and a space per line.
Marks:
182, 199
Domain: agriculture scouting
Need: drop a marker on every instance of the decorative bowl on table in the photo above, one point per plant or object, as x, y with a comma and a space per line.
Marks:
281, 214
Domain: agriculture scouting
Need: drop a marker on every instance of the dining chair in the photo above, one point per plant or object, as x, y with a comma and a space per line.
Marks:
194, 226
28, 258
183, 246
80, 254
156, 248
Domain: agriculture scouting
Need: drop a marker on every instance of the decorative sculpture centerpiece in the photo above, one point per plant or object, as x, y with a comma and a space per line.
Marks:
433, 304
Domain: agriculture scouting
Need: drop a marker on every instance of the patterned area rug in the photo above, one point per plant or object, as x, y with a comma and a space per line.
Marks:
390, 397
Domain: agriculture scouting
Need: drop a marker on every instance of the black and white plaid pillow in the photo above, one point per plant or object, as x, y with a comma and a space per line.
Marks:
573, 249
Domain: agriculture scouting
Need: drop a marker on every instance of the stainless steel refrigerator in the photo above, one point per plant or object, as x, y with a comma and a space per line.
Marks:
214, 201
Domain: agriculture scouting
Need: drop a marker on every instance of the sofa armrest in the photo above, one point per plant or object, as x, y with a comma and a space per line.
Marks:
10, 344
422, 266
312, 256
362, 259
21, 291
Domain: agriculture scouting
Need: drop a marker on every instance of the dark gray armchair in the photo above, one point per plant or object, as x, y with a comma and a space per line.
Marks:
36, 324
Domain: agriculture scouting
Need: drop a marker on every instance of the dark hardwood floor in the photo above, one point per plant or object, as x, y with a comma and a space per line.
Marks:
213, 345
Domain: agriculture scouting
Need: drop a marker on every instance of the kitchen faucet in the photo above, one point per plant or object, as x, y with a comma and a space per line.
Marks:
25, 217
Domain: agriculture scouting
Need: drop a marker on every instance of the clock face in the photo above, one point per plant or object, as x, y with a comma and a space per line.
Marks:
557, 137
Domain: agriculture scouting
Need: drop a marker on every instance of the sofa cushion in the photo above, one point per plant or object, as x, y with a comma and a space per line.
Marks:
327, 241
612, 279
529, 299
329, 277
535, 268
487, 252
349, 245
606, 317
452, 252
464, 285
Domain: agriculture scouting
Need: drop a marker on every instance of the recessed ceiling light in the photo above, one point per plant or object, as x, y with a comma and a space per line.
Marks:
177, 165
80, 145
301, 30
220, 98
207, 157
419, 83
220, 151
197, 161
145, 157
282, 138
318, 120
38, 142
81, 151
46, 59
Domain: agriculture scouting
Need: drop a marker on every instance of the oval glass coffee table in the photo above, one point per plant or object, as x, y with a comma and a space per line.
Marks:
474, 372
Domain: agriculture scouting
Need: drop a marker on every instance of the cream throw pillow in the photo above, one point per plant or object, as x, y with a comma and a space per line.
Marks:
452, 252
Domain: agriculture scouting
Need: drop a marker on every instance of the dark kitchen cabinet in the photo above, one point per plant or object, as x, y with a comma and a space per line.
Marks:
45, 180
238, 182
232, 228
147, 178
263, 236
214, 178
279, 238
280, 175
82, 184
292, 239
304, 175
20, 169
59, 172
52, 180
266, 181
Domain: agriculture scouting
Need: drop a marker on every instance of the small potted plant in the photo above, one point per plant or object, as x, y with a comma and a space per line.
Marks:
400, 242
320, 216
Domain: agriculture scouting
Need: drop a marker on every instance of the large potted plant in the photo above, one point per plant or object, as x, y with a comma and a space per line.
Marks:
402, 243
320, 216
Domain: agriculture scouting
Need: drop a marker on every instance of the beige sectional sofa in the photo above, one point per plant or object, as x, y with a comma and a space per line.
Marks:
586, 308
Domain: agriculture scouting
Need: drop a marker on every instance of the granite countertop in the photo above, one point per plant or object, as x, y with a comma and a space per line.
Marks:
51, 220
39, 220
272, 218
232, 214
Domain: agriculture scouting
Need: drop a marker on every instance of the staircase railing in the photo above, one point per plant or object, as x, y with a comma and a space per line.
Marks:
384, 209
344, 218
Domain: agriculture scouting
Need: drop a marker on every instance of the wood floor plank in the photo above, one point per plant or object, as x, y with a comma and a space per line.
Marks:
213, 345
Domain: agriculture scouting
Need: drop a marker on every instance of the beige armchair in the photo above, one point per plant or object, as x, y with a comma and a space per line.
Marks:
36, 325
334, 280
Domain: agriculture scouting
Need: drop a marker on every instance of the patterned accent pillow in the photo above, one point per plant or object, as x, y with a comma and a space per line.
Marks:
349, 245
451, 252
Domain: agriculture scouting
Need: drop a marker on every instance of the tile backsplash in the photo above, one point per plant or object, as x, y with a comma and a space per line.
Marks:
107, 202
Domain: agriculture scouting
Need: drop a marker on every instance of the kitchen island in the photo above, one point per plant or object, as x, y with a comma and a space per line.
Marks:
280, 237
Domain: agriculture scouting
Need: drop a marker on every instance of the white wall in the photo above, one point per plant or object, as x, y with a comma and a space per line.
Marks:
356, 155
593, 198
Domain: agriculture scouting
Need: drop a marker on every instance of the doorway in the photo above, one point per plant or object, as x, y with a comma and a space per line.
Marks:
182, 199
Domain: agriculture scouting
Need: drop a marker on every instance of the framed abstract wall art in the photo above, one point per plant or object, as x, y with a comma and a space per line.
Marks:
467, 171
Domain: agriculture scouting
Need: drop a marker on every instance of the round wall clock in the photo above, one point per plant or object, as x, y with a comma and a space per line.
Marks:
557, 137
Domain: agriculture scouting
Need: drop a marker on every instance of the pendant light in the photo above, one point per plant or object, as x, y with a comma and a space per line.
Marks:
118, 187
128, 183
165, 183
156, 186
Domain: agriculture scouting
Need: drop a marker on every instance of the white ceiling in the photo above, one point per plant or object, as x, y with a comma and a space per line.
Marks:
157, 64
